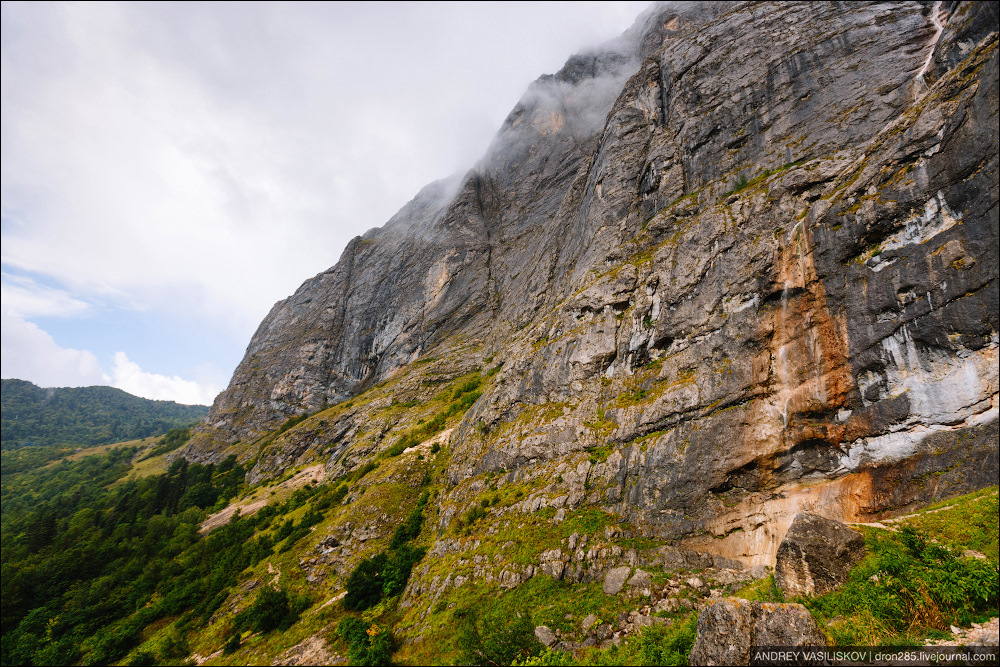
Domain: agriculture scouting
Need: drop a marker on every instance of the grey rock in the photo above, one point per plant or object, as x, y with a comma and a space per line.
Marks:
725, 633
614, 580
555, 569
816, 555
771, 188
729, 627
588, 622
641, 582
695, 582
545, 635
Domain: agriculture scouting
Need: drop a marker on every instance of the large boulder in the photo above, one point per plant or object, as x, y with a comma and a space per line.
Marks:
816, 555
729, 628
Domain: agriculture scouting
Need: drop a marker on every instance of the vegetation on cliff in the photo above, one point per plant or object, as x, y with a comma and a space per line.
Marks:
100, 567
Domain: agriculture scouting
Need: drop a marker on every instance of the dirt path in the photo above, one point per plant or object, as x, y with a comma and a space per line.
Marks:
263, 496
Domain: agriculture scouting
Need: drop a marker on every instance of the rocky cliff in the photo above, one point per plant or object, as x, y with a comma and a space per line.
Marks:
740, 262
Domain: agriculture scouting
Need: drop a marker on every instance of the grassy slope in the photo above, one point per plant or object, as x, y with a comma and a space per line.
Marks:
923, 573
425, 624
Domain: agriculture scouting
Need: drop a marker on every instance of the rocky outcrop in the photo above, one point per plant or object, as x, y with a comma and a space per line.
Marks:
738, 264
816, 555
729, 627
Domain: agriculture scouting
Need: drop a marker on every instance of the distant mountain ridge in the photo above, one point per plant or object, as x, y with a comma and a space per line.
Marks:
33, 415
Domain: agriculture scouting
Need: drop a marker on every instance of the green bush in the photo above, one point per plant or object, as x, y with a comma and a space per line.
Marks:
366, 645
364, 470
471, 516
364, 586
549, 656
292, 421
411, 528
386, 573
232, 644
496, 637
398, 568
383, 575
401, 445
663, 645
271, 610
339, 494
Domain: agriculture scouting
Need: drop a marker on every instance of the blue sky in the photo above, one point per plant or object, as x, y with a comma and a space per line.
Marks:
170, 171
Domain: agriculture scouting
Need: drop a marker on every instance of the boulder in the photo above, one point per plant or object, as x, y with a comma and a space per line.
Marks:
816, 555
640, 582
614, 580
728, 628
545, 635
777, 624
724, 630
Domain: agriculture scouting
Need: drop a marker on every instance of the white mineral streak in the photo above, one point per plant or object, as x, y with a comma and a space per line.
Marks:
937, 217
945, 391
938, 29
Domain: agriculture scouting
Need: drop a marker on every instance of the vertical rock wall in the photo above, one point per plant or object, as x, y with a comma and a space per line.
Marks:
747, 254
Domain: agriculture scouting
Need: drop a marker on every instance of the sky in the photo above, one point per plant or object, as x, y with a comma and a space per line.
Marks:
171, 170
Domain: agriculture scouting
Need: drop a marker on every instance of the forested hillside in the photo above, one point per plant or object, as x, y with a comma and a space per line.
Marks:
87, 567
85, 416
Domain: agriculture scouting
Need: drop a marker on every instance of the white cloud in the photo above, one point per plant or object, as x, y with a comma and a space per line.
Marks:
203, 159
28, 353
128, 376
24, 298
209, 158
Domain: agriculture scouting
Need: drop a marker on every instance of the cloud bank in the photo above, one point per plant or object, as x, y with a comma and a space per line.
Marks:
202, 160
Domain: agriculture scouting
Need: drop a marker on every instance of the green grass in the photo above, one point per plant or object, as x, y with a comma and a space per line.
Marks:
660, 644
906, 590
762, 590
967, 522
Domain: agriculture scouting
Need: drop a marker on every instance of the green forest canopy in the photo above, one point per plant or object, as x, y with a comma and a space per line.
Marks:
84, 416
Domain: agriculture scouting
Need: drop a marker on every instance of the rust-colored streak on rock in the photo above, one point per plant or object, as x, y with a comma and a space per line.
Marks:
810, 353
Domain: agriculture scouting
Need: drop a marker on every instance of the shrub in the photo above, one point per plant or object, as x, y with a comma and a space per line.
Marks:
386, 573
471, 515
663, 645
364, 586
383, 575
411, 528
292, 421
364, 470
496, 637
366, 645
398, 568
271, 610
232, 644
547, 657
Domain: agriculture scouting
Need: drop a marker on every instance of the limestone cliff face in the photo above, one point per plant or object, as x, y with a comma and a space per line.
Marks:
747, 252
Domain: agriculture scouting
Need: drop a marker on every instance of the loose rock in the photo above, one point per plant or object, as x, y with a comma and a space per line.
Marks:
816, 555
615, 580
729, 627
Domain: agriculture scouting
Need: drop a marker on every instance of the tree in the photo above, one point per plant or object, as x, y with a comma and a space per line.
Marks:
497, 637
